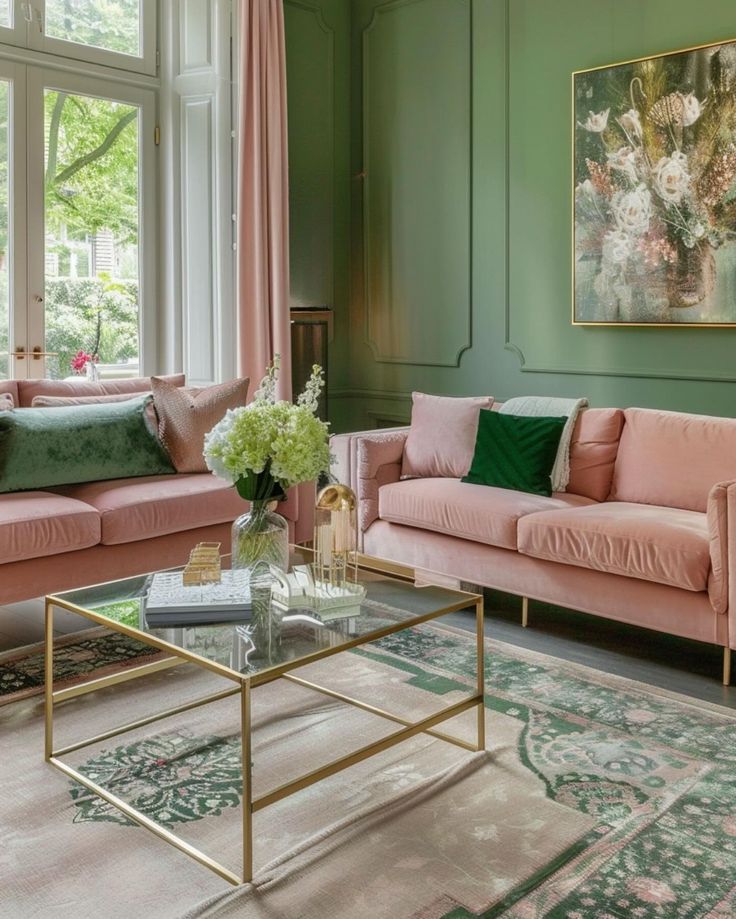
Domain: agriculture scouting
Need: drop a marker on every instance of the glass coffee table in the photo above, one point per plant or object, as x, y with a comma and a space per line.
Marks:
273, 645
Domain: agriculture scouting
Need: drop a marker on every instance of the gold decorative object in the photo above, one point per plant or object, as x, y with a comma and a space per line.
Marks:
203, 566
336, 536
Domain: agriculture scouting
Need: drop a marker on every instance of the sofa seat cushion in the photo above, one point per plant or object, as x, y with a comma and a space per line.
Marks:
140, 508
34, 524
482, 513
662, 544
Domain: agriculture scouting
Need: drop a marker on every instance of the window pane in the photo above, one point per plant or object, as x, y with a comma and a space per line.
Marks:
6, 18
5, 314
113, 25
92, 220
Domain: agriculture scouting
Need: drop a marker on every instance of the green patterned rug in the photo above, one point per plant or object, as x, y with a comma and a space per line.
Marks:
652, 773
664, 846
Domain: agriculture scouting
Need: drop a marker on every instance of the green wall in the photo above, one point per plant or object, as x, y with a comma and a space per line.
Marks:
318, 79
414, 242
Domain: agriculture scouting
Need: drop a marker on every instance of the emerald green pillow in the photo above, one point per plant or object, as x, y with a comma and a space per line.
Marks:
41, 447
515, 451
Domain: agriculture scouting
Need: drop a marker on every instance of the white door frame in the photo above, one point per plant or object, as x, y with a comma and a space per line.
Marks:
15, 75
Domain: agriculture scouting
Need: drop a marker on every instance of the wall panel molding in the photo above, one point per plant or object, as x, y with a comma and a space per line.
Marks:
312, 155
417, 223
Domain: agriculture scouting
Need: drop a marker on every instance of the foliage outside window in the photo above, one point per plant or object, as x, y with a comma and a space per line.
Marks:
91, 199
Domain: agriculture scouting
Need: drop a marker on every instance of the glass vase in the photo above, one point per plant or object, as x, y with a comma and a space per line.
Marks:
260, 538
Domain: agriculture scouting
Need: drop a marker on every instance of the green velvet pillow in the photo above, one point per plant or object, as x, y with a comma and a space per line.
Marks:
41, 447
515, 451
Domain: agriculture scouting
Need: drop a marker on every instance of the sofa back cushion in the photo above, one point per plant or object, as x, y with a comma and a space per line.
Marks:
29, 389
593, 452
673, 459
57, 401
43, 447
442, 435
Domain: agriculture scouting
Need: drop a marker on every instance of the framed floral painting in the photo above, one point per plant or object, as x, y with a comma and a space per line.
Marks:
654, 177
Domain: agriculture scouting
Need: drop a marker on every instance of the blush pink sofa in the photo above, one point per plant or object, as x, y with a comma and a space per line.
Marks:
643, 535
70, 536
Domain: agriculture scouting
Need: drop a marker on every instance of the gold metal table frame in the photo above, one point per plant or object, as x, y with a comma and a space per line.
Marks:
243, 688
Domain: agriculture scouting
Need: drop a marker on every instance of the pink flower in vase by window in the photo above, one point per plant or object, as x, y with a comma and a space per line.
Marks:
81, 359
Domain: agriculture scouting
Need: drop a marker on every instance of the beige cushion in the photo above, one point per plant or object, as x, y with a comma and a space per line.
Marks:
6, 402
55, 401
186, 415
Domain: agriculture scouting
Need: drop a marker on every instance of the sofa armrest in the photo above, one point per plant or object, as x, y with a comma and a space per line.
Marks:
343, 448
720, 510
378, 462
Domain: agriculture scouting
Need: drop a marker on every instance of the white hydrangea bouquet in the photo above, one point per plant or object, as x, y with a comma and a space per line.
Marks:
265, 448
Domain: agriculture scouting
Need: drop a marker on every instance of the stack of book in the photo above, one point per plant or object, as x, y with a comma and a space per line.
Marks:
171, 603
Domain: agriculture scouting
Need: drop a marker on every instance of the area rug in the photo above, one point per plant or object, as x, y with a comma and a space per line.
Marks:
599, 798
77, 658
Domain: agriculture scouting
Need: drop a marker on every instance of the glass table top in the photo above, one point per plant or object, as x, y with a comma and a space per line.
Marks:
272, 638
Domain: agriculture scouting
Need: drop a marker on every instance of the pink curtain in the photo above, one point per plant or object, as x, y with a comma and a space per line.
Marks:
263, 196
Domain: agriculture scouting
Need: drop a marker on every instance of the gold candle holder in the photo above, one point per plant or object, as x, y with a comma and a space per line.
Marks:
335, 536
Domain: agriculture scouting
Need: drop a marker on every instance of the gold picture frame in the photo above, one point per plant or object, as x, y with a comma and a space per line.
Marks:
653, 168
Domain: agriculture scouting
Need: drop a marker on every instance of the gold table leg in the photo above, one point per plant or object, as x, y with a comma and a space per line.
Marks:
246, 753
49, 682
480, 672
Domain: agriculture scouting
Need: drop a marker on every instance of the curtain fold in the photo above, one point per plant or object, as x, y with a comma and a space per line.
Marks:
263, 195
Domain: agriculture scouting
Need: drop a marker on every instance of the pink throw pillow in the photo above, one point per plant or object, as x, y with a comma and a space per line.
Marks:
441, 439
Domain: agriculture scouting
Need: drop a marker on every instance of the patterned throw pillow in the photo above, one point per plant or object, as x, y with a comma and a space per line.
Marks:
186, 414
6, 402
42, 447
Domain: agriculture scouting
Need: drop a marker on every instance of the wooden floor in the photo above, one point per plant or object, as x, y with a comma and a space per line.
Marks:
671, 663
660, 660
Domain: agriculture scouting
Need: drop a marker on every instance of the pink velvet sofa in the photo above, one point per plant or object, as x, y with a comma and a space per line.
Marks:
643, 535
70, 536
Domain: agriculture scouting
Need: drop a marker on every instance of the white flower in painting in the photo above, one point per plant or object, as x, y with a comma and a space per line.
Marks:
698, 230
617, 247
671, 177
624, 160
632, 210
596, 121
631, 123
585, 189
692, 109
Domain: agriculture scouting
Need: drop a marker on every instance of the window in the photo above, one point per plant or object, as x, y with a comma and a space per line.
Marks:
77, 162
114, 33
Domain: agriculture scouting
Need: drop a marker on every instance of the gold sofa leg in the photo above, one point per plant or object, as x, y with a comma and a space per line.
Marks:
726, 666
524, 612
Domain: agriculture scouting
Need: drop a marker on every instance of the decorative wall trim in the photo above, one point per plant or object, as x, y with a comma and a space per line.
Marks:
370, 394
317, 12
379, 10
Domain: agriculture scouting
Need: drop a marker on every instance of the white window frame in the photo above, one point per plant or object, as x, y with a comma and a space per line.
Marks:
38, 80
29, 17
